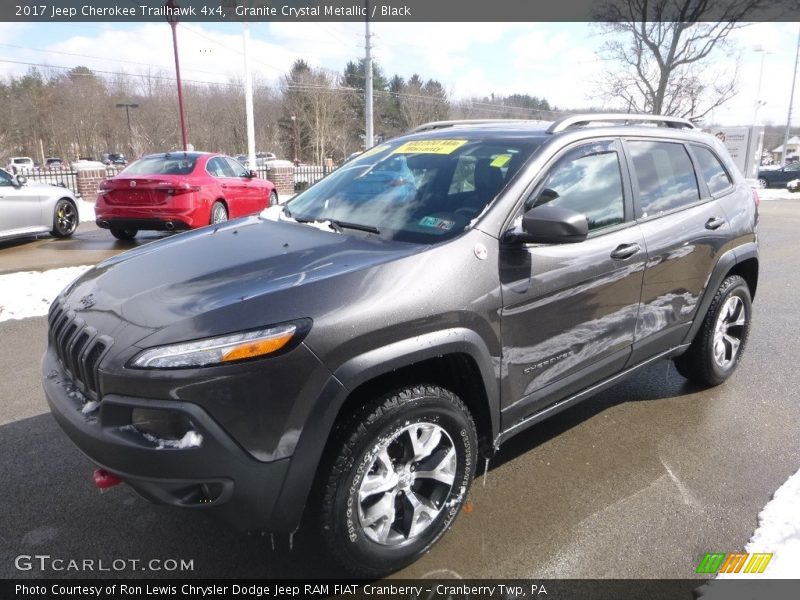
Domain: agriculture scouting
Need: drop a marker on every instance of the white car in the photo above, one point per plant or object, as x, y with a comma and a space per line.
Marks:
793, 185
17, 164
30, 208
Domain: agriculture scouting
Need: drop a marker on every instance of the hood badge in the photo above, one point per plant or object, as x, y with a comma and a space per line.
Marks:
480, 251
86, 302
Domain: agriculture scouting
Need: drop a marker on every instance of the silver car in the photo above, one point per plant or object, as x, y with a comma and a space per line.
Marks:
31, 208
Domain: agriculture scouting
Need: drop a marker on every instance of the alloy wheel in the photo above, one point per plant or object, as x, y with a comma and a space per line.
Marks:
407, 483
728, 331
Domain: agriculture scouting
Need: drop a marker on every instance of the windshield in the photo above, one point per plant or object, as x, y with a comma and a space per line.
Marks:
178, 164
424, 191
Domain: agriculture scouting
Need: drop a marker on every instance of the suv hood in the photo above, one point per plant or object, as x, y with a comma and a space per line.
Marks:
222, 269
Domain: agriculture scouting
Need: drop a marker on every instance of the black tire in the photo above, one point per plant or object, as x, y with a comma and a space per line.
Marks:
125, 235
700, 364
273, 198
763, 183
65, 219
219, 213
389, 422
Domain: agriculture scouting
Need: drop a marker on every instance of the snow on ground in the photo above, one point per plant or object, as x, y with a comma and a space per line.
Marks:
29, 293
777, 194
85, 210
778, 533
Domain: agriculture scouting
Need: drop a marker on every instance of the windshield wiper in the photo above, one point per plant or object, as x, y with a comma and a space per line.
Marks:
358, 226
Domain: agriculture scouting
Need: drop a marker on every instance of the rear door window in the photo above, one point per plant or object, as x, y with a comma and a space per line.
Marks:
665, 175
715, 175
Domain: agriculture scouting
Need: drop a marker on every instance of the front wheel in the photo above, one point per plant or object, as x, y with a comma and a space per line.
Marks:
399, 474
763, 183
719, 344
65, 219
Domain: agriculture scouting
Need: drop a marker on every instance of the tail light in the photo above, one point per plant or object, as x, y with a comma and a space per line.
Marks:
104, 186
182, 188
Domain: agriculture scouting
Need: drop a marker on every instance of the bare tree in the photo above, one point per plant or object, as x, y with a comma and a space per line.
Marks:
662, 52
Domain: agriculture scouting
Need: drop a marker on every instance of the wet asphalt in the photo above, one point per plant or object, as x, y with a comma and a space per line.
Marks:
640, 481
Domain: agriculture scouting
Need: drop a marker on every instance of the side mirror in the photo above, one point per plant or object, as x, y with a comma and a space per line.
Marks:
21, 180
550, 225
252, 174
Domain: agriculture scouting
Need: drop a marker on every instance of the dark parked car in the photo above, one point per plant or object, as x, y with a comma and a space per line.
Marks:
177, 191
768, 178
349, 356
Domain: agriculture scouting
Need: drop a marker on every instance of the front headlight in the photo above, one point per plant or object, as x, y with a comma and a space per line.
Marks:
217, 350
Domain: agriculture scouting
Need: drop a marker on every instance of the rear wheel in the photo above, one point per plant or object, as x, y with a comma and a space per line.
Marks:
273, 198
219, 214
719, 344
124, 234
65, 219
398, 475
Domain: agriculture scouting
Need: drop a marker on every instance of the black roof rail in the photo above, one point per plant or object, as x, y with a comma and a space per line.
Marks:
584, 119
444, 124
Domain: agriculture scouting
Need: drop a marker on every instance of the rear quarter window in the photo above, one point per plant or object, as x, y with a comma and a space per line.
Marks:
714, 174
665, 176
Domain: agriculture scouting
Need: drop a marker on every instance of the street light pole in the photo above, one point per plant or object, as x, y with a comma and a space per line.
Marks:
172, 18
759, 102
791, 101
128, 108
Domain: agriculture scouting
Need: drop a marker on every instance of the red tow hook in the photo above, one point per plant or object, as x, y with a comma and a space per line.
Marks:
104, 480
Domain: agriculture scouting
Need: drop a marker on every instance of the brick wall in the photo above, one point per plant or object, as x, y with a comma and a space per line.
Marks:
283, 178
87, 181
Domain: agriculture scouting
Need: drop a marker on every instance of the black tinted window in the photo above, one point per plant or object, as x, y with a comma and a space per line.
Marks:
587, 180
162, 165
714, 173
665, 175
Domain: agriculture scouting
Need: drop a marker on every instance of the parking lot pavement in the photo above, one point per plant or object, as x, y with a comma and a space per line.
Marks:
639, 481
87, 246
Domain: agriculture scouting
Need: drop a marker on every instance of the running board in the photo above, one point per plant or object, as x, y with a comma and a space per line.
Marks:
582, 395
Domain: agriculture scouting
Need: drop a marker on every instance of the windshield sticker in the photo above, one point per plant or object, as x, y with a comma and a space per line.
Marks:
437, 223
374, 150
500, 161
430, 147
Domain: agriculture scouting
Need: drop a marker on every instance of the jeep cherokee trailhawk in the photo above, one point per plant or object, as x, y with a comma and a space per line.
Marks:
346, 357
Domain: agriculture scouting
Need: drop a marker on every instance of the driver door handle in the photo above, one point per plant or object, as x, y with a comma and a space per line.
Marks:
624, 251
715, 223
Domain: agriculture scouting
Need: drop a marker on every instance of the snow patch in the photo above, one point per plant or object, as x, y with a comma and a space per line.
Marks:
192, 439
29, 293
90, 407
85, 210
779, 533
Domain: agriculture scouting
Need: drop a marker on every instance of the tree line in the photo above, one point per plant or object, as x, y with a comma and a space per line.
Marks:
311, 114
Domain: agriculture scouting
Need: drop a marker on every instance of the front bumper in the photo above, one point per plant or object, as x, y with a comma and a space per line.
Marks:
218, 475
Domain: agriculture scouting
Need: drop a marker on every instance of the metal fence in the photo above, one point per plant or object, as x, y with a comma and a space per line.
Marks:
304, 175
64, 177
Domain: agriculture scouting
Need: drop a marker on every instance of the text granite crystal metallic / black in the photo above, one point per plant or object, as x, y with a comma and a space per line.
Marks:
343, 359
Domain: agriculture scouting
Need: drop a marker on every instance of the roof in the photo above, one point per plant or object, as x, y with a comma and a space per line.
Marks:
793, 141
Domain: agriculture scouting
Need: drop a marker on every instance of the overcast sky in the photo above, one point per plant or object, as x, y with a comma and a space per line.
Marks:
557, 61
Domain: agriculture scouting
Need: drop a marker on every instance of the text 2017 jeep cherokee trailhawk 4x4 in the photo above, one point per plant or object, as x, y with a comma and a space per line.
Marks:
355, 349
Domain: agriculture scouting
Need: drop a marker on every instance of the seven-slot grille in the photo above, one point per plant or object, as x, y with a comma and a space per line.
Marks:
78, 346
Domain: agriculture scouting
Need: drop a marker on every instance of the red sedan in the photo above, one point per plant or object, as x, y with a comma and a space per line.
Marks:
177, 191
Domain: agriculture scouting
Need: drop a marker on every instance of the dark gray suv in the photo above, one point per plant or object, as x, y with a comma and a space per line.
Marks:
347, 357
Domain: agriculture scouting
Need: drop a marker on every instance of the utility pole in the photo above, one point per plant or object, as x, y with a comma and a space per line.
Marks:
369, 136
128, 108
172, 18
791, 101
248, 98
